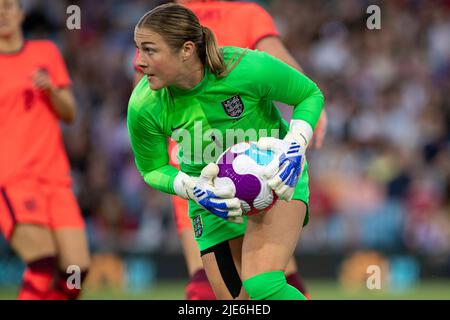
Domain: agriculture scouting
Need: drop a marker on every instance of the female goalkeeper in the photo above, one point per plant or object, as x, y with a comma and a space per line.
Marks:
193, 87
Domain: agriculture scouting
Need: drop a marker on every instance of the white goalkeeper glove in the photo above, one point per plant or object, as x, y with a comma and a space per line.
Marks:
210, 193
286, 168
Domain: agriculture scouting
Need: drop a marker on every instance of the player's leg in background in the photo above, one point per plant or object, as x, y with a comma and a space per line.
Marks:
222, 264
70, 240
294, 278
72, 248
190, 251
34, 244
198, 287
25, 224
268, 245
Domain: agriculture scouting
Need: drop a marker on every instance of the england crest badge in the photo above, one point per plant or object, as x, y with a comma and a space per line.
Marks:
234, 107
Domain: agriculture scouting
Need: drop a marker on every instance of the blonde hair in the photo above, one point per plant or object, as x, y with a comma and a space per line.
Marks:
177, 24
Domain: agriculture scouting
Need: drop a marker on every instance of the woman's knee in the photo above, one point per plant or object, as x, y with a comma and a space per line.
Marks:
72, 248
271, 286
263, 285
32, 242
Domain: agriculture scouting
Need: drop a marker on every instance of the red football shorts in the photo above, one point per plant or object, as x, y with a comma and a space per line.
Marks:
29, 201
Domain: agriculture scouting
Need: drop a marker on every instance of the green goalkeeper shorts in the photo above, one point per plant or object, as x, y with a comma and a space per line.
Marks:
210, 230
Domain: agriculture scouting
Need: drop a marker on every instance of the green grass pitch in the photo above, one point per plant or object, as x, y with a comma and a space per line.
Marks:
319, 290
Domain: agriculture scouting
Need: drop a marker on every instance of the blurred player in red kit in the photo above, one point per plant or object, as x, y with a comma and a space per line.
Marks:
39, 215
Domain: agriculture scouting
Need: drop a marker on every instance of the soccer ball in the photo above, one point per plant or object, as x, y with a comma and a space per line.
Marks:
242, 165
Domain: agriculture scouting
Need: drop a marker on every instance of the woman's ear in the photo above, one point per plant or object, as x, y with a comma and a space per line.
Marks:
188, 50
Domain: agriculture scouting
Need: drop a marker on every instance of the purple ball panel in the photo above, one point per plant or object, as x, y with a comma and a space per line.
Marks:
247, 186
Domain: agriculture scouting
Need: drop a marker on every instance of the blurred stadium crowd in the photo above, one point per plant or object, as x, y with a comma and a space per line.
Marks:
381, 181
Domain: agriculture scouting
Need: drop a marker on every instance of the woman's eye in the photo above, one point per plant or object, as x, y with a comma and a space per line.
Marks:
149, 50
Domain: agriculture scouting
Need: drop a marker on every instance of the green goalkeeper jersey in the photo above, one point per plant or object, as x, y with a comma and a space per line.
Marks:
216, 113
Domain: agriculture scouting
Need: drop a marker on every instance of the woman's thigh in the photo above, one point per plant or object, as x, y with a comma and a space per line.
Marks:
271, 238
